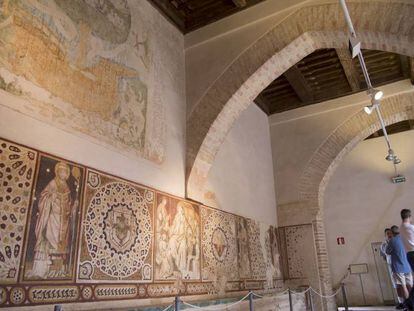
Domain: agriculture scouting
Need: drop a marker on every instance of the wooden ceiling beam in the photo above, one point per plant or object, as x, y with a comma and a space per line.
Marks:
171, 12
299, 84
240, 3
412, 69
350, 71
263, 104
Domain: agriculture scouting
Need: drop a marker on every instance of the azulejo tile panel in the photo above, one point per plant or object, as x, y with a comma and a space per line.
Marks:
117, 231
70, 233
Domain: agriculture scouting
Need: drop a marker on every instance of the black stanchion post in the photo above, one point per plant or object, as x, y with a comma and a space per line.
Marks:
177, 303
290, 300
344, 297
251, 301
57, 308
310, 299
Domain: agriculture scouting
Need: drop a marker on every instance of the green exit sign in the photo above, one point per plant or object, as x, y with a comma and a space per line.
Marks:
398, 179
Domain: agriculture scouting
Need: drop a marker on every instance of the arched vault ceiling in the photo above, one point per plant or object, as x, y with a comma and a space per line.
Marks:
386, 26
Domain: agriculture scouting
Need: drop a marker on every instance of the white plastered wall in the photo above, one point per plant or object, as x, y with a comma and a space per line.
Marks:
241, 179
359, 202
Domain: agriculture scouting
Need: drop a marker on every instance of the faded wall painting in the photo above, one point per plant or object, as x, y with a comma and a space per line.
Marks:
17, 170
272, 246
219, 245
53, 225
177, 239
257, 247
69, 233
87, 67
117, 231
298, 251
243, 248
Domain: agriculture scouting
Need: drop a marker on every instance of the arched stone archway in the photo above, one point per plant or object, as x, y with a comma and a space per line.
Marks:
327, 158
340, 142
380, 25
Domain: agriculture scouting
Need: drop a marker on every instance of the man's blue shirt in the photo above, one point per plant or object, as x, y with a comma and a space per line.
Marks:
399, 262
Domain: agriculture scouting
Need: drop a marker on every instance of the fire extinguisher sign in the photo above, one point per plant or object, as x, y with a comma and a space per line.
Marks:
340, 240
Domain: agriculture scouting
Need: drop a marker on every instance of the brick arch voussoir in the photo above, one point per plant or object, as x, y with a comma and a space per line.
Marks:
380, 25
344, 138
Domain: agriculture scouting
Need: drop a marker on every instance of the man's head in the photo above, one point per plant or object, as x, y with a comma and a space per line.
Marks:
406, 215
395, 230
388, 233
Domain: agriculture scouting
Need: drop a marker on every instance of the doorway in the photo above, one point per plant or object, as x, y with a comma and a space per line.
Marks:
384, 277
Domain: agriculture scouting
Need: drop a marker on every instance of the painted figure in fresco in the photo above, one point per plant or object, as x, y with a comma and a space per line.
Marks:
163, 259
243, 247
275, 255
178, 241
53, 226
178, 245
219, 243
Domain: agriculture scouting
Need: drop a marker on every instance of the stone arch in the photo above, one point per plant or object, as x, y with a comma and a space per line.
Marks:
327, 158
381, 25
343, 139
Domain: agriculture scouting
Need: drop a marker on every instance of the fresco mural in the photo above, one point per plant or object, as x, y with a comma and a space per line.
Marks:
274, 252
219, 245
243, 248
82, 66
257, 248
177, 239
53, 223
69, 233
117, 230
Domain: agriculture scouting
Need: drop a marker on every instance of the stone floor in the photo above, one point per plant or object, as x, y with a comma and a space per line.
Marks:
382, 308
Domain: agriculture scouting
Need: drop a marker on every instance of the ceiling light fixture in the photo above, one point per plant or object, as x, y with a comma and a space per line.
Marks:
376, 95
374, 105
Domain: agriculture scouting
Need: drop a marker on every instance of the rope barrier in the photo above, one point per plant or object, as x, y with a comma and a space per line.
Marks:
225, 307
218, 308
170, 306
326, 296
257, 295
302, 292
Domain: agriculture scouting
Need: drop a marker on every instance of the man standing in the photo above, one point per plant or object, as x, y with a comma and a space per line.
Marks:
407, 235
399, 264
383, 252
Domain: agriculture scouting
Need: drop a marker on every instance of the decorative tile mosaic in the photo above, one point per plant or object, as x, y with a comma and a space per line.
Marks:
219, 245
17, 170
117, 231
98, 237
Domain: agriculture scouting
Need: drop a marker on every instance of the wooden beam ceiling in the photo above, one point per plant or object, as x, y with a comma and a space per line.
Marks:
299, 84
412, 69
328, 73
395, 128
189, 15
350, 70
